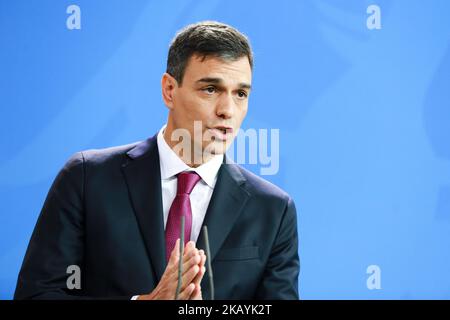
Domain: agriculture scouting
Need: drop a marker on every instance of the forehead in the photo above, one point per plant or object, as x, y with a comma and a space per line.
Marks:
230, 71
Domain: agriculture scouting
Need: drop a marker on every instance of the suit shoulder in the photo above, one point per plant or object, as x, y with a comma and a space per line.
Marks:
104, 155
261, 187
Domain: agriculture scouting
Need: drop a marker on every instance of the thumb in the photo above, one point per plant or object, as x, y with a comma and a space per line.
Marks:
175, 252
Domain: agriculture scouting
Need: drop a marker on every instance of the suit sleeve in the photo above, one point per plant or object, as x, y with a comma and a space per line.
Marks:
57, 241
280, 279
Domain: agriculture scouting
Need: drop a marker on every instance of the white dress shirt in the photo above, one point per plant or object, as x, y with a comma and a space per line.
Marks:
171, 165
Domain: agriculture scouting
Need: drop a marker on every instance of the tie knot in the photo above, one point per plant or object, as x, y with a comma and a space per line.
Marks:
186, 182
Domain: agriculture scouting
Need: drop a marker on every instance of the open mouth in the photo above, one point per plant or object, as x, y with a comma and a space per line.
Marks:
224, 129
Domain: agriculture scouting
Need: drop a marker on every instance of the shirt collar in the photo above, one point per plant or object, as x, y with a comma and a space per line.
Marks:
171, 164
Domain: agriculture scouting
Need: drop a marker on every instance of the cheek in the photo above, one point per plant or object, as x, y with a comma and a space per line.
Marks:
243, 112
199, 109
186, 106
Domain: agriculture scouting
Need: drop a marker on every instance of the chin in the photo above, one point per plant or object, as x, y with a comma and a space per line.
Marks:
219, 148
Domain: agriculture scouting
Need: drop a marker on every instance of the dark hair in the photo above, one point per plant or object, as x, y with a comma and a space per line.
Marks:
207, 38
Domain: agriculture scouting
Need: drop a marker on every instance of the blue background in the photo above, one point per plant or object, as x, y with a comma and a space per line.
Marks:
364, 119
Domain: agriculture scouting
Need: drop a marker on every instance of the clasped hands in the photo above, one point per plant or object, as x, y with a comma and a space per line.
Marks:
193, 271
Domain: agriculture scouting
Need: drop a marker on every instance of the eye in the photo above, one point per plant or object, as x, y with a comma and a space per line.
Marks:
209, 90
242, 94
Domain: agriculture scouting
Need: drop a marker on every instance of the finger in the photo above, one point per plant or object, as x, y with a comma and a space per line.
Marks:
175, 254
189, 251
198, 278
189, 276
190, 258
189, 246
194, 260
197, 293
186, 292
172, 270
203, 256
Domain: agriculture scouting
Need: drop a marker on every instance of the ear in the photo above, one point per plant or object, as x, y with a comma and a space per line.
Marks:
168, 86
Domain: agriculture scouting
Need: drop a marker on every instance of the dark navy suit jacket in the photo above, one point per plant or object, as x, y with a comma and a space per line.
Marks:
104, 214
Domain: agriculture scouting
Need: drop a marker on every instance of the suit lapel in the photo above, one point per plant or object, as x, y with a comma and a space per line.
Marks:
227, 202
143, 178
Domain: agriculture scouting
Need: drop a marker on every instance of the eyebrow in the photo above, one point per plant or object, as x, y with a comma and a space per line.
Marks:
242, 85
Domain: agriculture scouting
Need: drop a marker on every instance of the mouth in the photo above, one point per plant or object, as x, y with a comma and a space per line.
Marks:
222, 133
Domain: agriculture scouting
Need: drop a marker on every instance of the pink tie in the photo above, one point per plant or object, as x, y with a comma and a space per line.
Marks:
180, 205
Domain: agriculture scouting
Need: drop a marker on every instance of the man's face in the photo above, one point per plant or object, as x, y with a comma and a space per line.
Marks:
215, 92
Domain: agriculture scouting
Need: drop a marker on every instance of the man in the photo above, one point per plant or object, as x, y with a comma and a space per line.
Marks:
115, 213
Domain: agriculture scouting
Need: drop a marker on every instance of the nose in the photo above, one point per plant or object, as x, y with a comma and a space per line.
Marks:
225, 106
